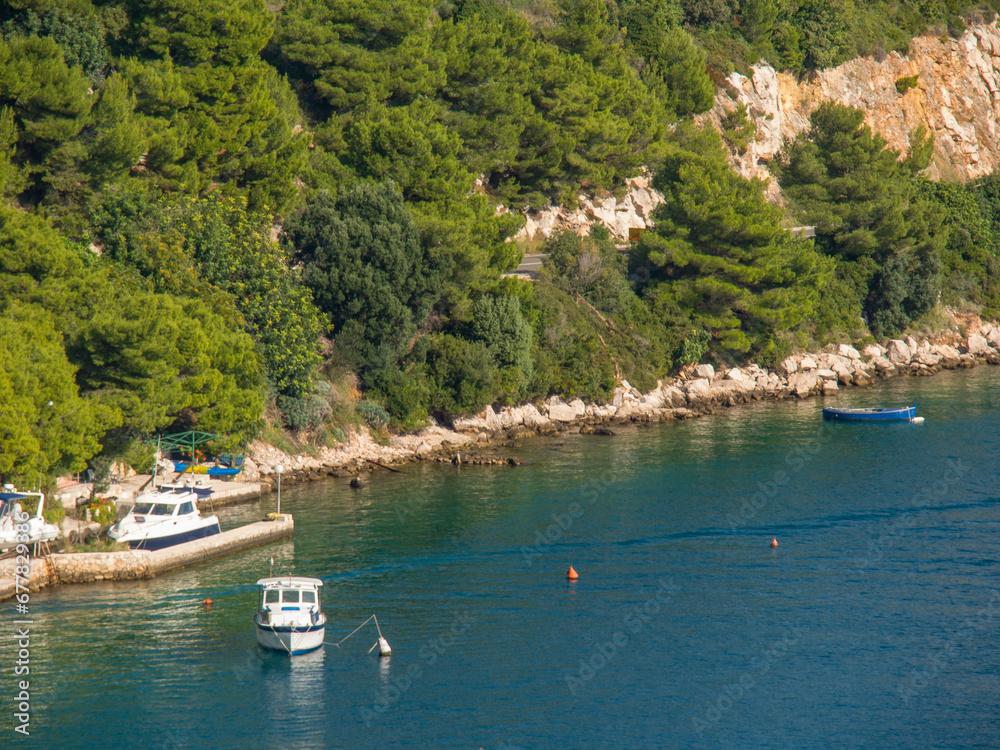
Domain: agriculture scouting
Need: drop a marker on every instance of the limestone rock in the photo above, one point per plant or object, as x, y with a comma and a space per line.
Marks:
807, 363
950, 356
787, 366
872, 350
993, 337
697, 390
846, 350
560, 412
928, 358
898, 352
705, 371
802, 383
674, 397
977, 345
532, 417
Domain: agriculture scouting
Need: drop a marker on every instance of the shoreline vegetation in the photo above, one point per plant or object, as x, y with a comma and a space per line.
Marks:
698, 390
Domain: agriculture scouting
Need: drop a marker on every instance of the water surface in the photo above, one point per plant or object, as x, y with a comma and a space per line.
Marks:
875, 622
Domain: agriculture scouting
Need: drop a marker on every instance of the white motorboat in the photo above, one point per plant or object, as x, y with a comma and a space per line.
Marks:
289, 618
162, 518
35, 527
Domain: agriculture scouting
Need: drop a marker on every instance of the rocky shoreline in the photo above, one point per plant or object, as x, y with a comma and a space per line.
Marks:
696, 391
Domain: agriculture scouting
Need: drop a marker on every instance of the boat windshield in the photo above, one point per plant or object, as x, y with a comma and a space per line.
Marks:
308, 597
142, 507
159, 509
272, 596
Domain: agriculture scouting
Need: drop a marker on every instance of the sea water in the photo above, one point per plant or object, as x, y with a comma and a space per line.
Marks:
874, 623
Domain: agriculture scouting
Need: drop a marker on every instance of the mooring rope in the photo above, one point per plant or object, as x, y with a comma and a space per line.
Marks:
337, 644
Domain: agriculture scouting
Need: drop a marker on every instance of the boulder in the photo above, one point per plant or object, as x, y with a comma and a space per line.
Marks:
950, 356
492, 421
977, 345
861, 377
652, 400
807, 363
560, 412
787, 366
510, 417
728, 392
898, 352
739, 376
928, 358
532, 417
469, 424
993, 337
697, 390
801, 383
873, 350
603, 411
826, 374
883, 365
705, 371
830, 386
911, 344
846, 350
673, 397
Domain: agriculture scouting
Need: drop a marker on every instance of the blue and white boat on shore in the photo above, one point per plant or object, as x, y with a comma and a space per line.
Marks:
899, 414
16, 526
289, 618
162, 518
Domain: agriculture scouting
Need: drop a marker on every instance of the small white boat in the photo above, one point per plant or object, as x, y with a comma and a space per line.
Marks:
289, 618
12, 515
162, 518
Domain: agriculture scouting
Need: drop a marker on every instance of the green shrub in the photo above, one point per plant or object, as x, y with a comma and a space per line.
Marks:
693, 347
906, 83
462, 374
309, 411
374, 415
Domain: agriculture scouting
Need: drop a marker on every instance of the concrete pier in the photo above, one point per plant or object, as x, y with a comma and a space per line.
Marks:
130, 565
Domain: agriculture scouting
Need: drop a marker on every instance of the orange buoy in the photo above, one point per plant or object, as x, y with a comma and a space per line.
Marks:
774, 542
572, 574
208, 602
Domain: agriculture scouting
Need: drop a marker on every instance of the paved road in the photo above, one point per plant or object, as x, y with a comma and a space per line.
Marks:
532, 263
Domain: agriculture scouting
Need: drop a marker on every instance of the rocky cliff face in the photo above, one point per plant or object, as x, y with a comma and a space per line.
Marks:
956, 97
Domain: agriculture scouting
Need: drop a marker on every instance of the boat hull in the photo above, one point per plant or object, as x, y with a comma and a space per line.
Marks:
289, 640
903, 414
153, 543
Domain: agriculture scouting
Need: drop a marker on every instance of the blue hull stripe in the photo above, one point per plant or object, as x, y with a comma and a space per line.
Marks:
289, 629
161, 542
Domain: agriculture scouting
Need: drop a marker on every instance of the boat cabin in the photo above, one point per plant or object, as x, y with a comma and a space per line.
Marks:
164, 504
289, 599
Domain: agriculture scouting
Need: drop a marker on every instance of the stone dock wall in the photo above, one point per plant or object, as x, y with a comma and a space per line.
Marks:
130, 565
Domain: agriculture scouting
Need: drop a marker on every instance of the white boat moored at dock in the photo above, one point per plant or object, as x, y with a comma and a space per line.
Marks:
162, 518
289, 617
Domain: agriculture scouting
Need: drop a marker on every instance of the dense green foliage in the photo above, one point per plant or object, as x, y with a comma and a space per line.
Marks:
871, 216
723, 263
215, 210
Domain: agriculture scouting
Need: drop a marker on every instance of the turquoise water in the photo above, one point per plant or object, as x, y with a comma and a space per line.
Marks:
874, 623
